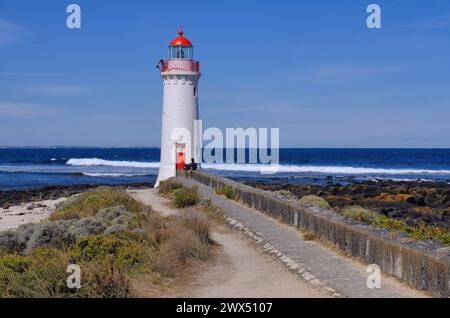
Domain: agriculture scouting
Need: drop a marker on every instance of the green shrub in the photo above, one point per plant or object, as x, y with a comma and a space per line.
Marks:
168, 186
41, 274
91, 202
128, 250
226, 191
185, 197
358, 213
315, 201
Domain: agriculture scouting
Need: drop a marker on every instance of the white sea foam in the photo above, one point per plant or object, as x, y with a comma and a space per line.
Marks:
112, 175
259, 167
111, 163
322, 169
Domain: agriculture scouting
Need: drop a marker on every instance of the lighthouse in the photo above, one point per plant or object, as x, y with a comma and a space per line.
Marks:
180, 74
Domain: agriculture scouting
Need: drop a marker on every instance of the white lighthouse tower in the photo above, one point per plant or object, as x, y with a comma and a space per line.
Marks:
179, 137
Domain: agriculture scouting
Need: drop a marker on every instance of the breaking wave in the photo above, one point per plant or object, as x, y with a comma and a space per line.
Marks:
321, 169
111, 163
260, 167
113, 175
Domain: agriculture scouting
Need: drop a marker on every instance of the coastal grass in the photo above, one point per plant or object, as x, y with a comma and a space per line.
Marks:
309, 236
185, 197
182, 197
168, 186
212, 211
315, 201
226, 191
91, 202
421, 231
156, 246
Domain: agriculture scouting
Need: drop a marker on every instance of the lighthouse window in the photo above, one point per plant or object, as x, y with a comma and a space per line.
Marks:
180, 53
195, 91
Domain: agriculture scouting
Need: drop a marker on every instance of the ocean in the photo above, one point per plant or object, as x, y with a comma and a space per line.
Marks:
25, 168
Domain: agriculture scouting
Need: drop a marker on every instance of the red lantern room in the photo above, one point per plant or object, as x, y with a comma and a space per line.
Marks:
181, 48
181, 56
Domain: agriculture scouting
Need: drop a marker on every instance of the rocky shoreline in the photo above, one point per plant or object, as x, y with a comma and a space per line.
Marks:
18, 197
415, 202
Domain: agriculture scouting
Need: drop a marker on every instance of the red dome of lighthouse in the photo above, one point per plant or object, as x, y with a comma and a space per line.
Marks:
180, 40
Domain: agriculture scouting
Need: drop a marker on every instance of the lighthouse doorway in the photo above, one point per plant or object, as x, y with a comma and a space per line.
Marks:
180, 156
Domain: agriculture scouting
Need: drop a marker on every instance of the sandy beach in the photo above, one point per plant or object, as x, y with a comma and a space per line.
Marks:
33, 212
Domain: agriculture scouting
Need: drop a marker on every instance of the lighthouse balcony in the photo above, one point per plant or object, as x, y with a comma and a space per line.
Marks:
180, 65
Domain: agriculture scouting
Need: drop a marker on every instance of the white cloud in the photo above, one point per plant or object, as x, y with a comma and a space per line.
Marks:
11, 33
24, 110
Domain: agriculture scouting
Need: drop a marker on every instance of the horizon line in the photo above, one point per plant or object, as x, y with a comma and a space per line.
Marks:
158, 147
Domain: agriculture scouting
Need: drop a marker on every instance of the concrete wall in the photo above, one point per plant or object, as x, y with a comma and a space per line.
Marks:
423, 265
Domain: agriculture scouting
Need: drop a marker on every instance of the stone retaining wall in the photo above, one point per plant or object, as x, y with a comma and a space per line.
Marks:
423, 265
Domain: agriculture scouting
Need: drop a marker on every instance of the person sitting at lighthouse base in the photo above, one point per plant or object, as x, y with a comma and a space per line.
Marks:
188, 168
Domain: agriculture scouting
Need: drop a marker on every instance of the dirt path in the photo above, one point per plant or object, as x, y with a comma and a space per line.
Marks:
238, 269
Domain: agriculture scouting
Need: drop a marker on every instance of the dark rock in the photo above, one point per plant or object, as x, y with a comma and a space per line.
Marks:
420, 201
394, 214
411, 200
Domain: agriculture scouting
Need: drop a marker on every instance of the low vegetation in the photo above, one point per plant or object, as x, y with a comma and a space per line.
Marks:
315, 201
358, 213
91, 202
185, 197
226, 191
182, 197
309, 236
168, 186
212, 210
112, 237
422, 231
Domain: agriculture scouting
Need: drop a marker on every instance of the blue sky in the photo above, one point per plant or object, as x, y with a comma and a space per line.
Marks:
311, 68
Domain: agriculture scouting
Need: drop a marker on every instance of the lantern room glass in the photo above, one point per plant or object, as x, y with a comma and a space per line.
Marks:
181, 52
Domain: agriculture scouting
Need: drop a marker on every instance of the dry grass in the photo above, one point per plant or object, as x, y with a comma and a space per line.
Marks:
213, 211
308, 236
197, 223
